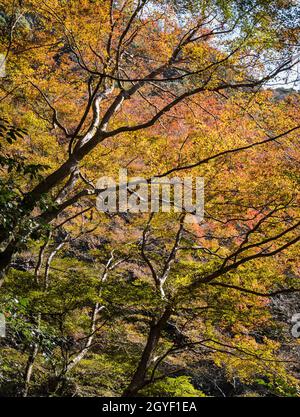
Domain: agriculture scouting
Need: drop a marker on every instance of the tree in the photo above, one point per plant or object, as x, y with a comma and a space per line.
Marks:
162, 88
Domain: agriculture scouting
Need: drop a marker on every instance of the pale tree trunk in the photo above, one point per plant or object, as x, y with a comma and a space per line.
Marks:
97, 308
29, 368
31, 360
35, 348
60, 379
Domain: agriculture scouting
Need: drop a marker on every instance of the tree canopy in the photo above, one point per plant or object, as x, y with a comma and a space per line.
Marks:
100, 303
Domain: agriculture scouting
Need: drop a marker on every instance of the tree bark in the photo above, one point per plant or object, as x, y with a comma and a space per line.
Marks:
139, 378
29, 368
5, 259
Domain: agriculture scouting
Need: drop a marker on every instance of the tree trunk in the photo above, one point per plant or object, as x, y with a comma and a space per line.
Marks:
139, 378
29, 367
5, 259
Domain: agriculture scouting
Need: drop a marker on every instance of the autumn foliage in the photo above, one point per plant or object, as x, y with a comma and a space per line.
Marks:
147, 304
